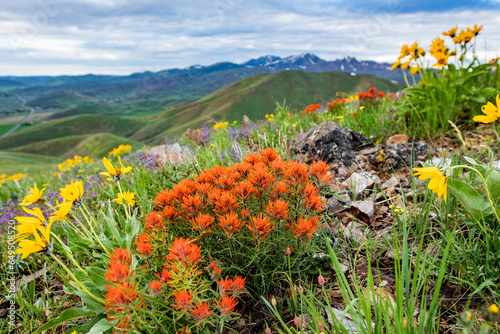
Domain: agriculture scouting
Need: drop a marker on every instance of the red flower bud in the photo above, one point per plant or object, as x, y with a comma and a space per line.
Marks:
321, 280
268, 330
321, 327
288, 251
296, 321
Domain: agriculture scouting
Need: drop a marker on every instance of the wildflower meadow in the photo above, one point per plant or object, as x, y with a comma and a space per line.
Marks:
242, 236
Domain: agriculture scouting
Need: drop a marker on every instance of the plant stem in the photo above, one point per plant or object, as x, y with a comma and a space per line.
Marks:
125, 204
68, 253
84, 289
90, 224
87, 232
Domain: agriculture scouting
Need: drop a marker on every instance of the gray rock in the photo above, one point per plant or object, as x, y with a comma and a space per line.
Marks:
364, 210
172, 153
328, 142
399, 156
359, 182
335, 205
392, 182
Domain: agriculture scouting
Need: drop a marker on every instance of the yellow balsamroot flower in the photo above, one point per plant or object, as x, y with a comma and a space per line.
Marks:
15, 177
415, 69
437, 46
441, 58
476, 29
114, 174
464, 36
127, 197
396, 64
451, 32
72, 192
34, 196
29, 224
220, 125
41, 243
61, 213
494, 61
405, 65
120, 150
491, 111
438, 180
405, 51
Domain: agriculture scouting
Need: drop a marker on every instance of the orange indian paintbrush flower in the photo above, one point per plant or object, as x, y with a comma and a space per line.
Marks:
260, 227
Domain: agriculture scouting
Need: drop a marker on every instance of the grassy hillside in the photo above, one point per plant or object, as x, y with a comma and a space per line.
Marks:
257, 96
60, 100
14, 162
92, 145
70, 126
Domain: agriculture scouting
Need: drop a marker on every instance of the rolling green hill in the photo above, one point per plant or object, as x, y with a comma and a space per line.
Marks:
60, 100
95, 145
96, 134
70, 126
257, 96
15, 162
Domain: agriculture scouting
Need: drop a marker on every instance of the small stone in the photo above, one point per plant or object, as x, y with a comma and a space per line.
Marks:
343, 172
369, 151
172, 153
392, 182
361, 181
328, 142
335, 206
397, 139
399, 156
364, 210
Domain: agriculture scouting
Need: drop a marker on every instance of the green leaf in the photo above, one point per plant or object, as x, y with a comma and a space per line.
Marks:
102, 326
90, 303
97, 276
473, 201
69, 314
85, 328
493, 184
132, 227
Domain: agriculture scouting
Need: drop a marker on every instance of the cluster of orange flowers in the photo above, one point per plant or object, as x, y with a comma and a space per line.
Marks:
371, 94
311, 108
178, 280
338, 102
121, 293
223, 199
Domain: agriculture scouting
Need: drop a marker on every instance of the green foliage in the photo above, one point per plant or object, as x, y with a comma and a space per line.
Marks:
449, 94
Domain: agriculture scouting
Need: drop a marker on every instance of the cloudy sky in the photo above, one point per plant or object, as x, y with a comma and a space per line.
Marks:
53, 37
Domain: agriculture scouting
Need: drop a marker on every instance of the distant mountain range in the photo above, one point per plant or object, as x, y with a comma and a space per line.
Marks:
155, 91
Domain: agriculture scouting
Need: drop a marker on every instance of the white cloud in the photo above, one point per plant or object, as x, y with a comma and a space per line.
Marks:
130, 38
